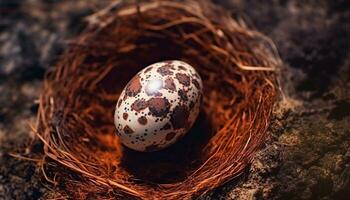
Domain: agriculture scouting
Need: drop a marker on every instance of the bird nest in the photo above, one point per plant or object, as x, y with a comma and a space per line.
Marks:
82, 154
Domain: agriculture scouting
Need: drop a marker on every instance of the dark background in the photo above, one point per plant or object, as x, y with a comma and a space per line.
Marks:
308, 153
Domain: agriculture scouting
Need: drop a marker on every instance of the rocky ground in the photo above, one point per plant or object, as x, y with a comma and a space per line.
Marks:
308, 153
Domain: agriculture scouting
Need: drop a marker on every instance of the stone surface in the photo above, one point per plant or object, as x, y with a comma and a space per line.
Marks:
307, 155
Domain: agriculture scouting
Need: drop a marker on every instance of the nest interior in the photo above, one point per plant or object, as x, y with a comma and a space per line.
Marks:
75, 120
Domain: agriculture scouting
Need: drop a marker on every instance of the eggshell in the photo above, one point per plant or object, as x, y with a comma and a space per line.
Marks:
158, 106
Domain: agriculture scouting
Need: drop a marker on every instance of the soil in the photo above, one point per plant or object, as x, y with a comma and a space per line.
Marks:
307, 155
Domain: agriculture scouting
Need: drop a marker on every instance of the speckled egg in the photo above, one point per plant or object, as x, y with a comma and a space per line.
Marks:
158, 106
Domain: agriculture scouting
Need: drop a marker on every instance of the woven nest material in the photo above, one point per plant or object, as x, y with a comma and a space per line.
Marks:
238, 66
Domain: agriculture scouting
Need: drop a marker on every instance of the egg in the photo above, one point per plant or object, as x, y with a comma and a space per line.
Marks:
158, 106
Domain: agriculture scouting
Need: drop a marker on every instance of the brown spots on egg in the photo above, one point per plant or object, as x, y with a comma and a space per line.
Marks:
169, 84
191, 104
170, 136
148, 69
159, 107
196, 83
125, 116
182, 94
196, 75
142, 120
182, 68
139, 105
133, 87
178, 117
165, 70
167, 126
127, 130
119, 103
183, 79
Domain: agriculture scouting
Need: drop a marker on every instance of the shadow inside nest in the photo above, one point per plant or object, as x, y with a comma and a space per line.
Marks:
174, 163
131, 62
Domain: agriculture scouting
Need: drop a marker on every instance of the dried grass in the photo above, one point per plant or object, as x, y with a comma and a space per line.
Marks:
238, 65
